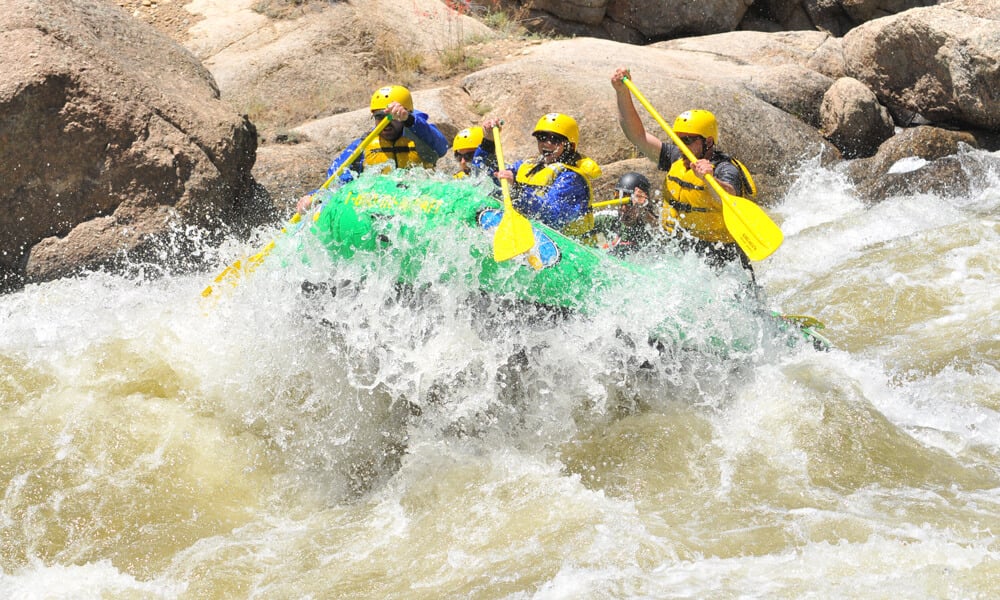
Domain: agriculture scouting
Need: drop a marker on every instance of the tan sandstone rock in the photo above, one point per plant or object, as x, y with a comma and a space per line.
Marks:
111, 136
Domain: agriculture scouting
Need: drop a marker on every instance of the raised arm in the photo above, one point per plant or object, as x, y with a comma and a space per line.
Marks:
647, 143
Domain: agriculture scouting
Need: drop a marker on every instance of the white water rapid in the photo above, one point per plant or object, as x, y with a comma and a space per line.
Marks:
287, 445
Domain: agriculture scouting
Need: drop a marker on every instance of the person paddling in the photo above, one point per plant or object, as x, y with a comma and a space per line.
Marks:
692, 211
633, 222
409, 140
555, 188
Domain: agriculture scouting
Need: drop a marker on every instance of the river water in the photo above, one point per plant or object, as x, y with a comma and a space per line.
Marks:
283, 444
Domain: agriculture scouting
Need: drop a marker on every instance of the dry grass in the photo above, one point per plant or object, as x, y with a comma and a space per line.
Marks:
457, 60
274, 112
288, 9
506, 17
396, 59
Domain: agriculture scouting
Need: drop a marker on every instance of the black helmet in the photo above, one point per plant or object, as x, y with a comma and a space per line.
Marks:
629, 181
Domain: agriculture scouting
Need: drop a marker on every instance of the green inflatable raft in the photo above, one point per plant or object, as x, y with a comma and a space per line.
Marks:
440, 232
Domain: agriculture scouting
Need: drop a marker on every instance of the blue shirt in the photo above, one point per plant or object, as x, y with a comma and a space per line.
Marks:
565, 200
429, 140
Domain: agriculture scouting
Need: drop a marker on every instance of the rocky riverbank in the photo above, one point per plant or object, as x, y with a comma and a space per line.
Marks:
125, 122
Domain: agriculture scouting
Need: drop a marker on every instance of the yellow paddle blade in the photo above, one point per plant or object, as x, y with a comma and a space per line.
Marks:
750, 226
514, 235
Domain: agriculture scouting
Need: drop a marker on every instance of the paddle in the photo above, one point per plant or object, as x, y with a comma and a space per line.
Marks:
513, 235
233, 272
749, 225
615, 202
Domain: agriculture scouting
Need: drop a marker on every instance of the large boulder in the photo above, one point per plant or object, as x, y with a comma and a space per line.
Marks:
939, 62
661, 20
629, 21
644, 21
840, 16
852, 118
114, 138
815, 50
789, 70
920, 160
795, 89
588, 12
835, 17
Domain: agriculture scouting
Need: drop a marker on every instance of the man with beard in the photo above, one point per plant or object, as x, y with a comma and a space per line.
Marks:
409, 140
554, 188
692, 212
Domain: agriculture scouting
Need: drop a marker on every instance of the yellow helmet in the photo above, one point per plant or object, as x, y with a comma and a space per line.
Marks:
391, 93
697, 122
560, 124
467, 139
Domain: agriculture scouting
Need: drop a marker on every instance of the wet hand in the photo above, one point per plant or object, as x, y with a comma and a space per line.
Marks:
489, 124
505, 174
398, 112
616, 79
703, 167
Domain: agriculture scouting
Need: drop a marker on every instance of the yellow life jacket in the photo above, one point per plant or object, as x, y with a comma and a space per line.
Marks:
749, 185
585, 167
691, 206
400, 154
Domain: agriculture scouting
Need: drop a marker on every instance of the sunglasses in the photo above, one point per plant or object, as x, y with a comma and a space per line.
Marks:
690, 139
466, 156
378, 116
550, 138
